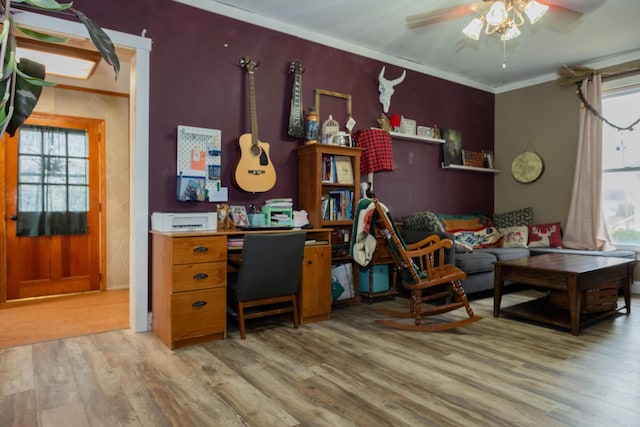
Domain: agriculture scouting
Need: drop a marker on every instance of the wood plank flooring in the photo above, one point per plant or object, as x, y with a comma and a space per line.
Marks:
63, 316
347, 371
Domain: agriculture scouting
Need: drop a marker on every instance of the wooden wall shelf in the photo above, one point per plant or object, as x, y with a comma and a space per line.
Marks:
471, 168
407, 137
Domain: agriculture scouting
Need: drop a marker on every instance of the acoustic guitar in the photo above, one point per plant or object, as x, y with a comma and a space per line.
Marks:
254, 171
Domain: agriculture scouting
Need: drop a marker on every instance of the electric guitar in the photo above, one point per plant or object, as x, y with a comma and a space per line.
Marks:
296, 118
254, 171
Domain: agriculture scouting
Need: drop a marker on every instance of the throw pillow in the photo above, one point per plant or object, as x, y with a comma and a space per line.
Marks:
545, 235
513, 218
515, 237
467, 222
426, 221
484, 238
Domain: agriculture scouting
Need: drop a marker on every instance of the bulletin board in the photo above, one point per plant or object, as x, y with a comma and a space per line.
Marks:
200, 156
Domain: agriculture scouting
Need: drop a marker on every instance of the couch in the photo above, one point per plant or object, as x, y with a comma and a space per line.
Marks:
481, 241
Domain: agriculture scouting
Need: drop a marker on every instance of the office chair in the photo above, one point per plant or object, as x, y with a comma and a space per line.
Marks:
268, 277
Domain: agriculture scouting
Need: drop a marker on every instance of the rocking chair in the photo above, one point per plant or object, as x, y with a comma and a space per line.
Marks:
421, 266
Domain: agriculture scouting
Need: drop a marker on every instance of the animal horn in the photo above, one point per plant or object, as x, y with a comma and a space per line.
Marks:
381, 76
399, 79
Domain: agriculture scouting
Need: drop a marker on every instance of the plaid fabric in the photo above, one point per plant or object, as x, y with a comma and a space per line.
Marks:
377, 155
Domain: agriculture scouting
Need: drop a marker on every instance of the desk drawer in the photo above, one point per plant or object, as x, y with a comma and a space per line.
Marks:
191, 318
187, 250
191, 277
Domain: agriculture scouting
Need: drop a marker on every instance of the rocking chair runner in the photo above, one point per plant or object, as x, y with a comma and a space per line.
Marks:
421, 267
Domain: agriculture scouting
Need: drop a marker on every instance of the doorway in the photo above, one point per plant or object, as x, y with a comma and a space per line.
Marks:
137, 50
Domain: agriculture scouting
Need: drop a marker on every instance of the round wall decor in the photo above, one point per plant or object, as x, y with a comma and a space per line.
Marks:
527, 167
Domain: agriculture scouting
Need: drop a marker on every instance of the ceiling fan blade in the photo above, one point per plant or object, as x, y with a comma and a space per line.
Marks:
442, 15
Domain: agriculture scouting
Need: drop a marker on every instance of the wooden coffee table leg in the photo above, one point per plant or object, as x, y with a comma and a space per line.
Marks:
574, 304
497, 290
626, 289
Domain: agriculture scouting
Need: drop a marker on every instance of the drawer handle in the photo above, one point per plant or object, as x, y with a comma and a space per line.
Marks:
200, 249
199, 304
200, 276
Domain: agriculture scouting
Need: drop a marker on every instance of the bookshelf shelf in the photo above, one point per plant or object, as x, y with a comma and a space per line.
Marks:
471, 168
407, 137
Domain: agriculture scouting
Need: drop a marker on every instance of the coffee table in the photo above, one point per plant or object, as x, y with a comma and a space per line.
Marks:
566, 273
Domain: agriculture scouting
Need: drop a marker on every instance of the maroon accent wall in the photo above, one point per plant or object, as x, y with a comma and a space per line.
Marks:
196, 81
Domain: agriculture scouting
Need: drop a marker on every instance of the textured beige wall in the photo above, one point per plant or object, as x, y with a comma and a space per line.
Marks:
115, 112
545, 116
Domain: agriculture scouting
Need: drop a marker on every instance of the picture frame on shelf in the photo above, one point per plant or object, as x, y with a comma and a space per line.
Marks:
407, 126
489, 162
239, 216
452, 147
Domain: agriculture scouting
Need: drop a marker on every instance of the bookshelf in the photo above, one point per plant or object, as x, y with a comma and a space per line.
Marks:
329, 190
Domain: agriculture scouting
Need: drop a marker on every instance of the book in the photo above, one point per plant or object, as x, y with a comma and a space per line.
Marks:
344, 170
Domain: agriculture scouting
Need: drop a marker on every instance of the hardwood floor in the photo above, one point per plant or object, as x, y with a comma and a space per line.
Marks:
347, 371
63, 316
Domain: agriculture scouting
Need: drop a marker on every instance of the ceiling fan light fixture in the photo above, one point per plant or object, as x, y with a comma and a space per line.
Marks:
535, 11
474, 29
497, 13
510, 34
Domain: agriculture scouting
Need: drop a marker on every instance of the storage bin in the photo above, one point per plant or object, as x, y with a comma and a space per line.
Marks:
380, 278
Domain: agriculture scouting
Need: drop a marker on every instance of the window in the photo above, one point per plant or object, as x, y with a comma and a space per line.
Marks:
621, 161
53, 181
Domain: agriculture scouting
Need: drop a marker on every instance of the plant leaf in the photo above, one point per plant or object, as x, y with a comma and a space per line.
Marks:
46, 4
26, 93
41, 36
101, 40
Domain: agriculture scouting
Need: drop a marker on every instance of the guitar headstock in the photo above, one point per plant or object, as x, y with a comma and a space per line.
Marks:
296, 67
249, 64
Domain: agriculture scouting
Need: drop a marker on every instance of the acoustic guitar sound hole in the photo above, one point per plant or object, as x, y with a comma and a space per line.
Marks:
256, 150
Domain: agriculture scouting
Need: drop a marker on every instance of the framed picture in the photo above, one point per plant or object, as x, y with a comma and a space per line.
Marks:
407, 126
239, 215
452, 147
190, 188
488, 159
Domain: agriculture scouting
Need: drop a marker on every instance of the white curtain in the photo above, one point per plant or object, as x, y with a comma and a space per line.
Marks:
585, 227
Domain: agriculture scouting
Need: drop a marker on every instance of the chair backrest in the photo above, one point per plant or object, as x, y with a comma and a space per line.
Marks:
409, 270
271, 265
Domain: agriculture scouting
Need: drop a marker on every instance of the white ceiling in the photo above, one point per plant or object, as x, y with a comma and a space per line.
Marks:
604, 33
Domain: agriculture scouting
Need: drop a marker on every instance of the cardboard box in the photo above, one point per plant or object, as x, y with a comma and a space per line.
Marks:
380, 278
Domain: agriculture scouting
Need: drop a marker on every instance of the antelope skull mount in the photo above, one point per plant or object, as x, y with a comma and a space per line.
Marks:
386, 88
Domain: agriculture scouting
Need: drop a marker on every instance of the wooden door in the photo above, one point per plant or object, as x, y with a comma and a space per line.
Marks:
53, 199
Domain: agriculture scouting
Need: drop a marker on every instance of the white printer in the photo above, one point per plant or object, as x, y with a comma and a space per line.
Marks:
184, 221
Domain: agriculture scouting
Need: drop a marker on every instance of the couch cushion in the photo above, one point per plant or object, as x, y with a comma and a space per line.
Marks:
506, 254
616, 253
522, 216
475, 262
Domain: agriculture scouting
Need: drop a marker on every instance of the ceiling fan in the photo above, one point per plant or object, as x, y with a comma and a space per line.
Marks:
484, 9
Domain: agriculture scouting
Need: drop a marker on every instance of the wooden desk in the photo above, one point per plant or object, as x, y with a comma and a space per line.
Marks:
189, 283
572, 274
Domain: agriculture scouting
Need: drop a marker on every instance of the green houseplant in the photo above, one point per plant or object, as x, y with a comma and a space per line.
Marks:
21, 81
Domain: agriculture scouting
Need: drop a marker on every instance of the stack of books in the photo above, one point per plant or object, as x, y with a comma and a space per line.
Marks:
283, 202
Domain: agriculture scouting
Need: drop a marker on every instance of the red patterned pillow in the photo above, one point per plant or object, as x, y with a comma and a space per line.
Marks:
545, 235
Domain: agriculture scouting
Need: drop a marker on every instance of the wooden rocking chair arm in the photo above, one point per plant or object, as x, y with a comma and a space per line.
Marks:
444, 243
429, 240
